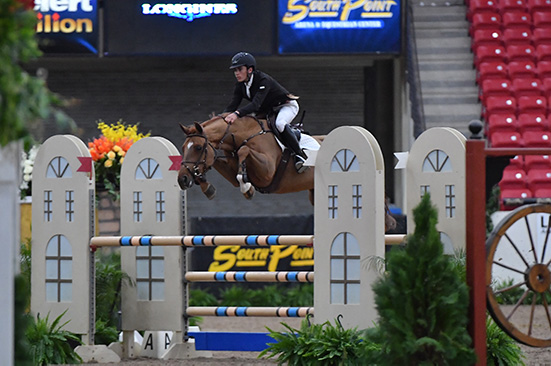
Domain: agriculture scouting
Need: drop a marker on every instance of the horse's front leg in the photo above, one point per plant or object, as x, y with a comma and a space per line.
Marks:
208, 189
244, 185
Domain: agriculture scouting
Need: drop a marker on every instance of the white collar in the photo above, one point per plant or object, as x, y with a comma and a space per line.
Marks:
250, 82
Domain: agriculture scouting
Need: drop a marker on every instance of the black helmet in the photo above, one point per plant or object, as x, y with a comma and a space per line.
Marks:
243, 59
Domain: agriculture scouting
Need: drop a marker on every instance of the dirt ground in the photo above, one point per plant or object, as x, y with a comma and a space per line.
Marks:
534, 356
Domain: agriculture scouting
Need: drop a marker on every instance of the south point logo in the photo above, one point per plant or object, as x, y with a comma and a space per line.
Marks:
51, 21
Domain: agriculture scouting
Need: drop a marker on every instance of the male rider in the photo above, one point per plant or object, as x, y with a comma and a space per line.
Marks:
265, 95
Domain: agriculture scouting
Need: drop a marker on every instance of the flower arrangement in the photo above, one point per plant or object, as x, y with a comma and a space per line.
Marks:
108, 153
27, 165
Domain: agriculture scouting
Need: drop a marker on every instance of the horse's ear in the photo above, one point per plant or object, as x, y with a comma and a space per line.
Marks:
185, 129
198, 128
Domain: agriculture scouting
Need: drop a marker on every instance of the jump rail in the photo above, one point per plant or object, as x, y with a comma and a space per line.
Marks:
250, 276
202, 240
230, 311
216, 240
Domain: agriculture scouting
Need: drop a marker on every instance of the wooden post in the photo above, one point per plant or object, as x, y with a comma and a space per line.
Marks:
476, 238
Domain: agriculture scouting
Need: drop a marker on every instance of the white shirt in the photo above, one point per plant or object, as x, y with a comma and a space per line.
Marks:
248, 85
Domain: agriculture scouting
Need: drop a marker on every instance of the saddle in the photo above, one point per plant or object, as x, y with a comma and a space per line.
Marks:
285, 155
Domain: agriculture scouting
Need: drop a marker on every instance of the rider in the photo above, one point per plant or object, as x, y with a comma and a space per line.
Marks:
265, 95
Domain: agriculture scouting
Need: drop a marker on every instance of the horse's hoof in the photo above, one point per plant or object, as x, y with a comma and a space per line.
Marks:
249, 194
210, 192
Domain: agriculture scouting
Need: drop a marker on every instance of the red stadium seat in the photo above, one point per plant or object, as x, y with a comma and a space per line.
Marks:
517, 162
541, 19
538, 5
539, 182
541, 36
499, 105
489, 54
521, 69
544, 69
513, 178
513, 193
516, 19
527, 86
481, 6
517, 52
536, 138
495, 87
515, 36
484, 21
547, 87
544, 52
506, 139
501, 123
532, 122
537, 162
505, 6
486, 37
491, 70
532, 104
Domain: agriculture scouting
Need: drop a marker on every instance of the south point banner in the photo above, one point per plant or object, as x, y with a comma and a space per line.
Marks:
339, 26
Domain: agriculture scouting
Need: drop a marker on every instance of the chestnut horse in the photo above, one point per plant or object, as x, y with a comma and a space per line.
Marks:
247, 154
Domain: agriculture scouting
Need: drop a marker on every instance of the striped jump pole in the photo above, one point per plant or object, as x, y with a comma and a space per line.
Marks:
202, 240
234, 311
216, 240
250, 276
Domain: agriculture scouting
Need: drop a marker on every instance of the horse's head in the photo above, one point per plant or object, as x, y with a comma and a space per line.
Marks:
198, 156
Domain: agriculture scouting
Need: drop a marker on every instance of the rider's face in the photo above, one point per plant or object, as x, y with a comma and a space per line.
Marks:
242, 73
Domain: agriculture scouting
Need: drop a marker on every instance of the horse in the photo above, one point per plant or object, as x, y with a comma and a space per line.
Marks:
246, 154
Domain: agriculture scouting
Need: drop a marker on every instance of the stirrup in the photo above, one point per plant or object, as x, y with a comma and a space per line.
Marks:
299, 164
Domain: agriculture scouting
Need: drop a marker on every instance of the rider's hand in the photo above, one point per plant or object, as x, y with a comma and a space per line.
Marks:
230, 118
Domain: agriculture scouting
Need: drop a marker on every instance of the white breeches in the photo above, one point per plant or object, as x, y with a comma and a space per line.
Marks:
286, 113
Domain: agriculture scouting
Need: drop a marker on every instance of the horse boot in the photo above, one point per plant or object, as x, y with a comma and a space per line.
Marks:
290, 139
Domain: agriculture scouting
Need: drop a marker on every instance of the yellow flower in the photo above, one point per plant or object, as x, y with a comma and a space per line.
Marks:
111, 155
122, 159
117, 148
108, 163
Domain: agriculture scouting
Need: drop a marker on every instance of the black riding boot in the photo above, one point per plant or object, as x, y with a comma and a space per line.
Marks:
289, 139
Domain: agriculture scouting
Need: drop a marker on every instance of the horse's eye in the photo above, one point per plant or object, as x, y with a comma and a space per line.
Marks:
198, 147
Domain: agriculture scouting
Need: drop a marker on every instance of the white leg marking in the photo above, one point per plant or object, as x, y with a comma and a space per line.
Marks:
243, 187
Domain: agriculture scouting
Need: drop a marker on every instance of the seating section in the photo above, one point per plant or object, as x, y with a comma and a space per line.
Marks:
511, 45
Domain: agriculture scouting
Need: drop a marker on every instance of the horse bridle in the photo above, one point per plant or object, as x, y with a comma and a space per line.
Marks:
199, 177
194, 172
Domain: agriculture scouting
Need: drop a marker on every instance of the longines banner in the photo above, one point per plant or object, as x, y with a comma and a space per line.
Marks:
263, 27
339, 26
67, 26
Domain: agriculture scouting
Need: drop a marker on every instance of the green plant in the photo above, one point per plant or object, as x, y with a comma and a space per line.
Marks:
25, 260
271, 295
22, 356
24, 99
501, 350
109, 278
316, 344
422, 301
198, 297
105, 333
50, 343
236, 296
300, 295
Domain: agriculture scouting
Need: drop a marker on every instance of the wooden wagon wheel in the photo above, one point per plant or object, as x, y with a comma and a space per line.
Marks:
518, 276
